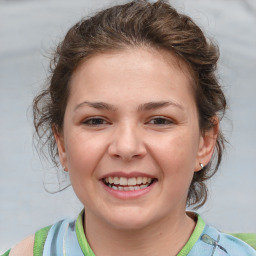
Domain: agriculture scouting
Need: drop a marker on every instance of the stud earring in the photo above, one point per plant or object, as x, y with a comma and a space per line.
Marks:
202, 166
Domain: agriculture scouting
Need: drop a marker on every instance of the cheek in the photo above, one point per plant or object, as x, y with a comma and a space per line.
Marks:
177, 145
83, 154
176, 155
82, 158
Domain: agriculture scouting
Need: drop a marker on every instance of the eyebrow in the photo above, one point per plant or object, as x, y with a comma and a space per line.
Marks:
143, 107
97, 105
158, 104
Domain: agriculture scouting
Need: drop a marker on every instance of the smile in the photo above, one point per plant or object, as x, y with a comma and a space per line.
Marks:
128, 184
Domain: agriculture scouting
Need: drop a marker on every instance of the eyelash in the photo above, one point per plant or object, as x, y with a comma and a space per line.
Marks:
92, 121
161, 119
98, 121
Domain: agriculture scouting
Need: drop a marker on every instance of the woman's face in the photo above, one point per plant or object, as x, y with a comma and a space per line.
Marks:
131, 139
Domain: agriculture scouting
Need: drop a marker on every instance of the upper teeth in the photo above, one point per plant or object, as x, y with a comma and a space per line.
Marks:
128, 181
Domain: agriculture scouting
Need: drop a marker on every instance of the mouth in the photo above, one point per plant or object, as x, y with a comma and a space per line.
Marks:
128, 184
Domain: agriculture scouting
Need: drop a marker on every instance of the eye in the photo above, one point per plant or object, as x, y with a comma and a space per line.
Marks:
95, 121
160, 121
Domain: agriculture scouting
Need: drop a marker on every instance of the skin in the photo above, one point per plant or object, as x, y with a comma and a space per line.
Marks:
161, 142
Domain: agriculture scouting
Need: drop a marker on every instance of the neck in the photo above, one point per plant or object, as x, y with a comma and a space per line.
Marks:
165, 237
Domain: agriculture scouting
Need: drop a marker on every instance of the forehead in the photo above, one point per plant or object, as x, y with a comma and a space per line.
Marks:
135, 70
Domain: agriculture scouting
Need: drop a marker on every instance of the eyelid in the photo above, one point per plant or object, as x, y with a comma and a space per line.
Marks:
169, 120
103, 121
88, 119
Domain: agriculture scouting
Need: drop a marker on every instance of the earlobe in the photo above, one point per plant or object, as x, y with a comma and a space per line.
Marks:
59, 139
207, 145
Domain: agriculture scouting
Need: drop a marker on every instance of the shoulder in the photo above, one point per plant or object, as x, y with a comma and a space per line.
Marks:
221, 243
248, 238
227, 243
24, 248
30, 245
247, 242
45, 237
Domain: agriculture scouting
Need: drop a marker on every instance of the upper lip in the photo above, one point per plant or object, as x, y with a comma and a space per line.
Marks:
128, 175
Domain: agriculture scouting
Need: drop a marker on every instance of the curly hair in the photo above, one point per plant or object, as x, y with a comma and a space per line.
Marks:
134, 24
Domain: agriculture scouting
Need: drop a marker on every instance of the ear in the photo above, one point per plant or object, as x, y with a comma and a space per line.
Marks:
207, 145
59, 138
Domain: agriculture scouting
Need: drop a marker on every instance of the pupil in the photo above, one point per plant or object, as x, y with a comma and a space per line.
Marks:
160, 121
96, 121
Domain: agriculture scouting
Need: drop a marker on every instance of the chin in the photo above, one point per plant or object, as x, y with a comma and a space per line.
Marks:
126, 225
130, 220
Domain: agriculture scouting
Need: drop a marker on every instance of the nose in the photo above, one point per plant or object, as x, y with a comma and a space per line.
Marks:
127, 143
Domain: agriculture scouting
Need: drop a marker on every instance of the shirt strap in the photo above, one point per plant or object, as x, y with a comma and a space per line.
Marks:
40, 237
7, 253
84, 245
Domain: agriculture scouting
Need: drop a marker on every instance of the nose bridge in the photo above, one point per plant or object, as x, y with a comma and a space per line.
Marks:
127, 142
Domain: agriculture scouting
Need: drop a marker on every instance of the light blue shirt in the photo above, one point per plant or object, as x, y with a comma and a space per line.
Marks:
66, 238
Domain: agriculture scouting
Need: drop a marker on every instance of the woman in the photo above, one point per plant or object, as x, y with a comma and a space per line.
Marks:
132, 112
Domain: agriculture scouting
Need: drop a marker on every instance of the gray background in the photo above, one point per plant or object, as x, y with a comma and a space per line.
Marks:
29, 30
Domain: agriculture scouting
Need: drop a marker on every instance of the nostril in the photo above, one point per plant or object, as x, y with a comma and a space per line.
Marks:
127, 157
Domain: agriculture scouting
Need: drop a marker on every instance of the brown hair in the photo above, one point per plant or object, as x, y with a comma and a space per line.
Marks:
138, 23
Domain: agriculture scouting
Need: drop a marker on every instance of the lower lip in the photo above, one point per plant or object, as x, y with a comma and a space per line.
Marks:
132, 194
